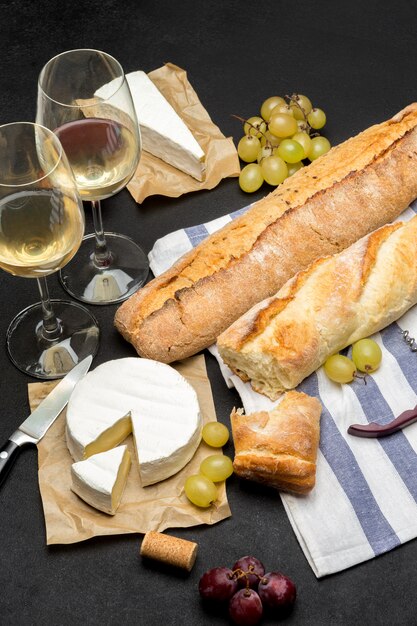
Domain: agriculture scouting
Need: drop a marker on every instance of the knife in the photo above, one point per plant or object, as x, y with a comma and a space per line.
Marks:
35, 426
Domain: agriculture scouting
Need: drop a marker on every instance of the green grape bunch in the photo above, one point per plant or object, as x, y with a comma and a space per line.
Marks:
280, 141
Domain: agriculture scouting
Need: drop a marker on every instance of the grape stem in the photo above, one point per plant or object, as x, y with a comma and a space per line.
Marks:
357, 376
292, 100
239, 573
242, 119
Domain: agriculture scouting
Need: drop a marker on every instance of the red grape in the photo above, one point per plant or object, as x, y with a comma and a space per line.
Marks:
277, 592
245, 608
218, 584
249, 564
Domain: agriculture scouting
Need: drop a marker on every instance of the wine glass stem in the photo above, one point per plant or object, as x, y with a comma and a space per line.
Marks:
51, 328
102, 255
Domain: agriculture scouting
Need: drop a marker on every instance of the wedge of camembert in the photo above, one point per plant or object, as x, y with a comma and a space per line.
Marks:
147, 397
100, 480
163, 132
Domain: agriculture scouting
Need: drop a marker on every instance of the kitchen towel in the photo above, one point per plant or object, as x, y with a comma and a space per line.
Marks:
365, 499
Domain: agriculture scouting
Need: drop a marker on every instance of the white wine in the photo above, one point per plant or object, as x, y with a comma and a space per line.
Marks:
40, 231
103, 155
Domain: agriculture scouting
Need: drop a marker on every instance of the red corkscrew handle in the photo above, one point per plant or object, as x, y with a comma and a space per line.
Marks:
378, 430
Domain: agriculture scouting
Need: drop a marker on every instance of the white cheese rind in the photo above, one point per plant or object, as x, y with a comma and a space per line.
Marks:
100, 479
163, 407
163, 132
154, 464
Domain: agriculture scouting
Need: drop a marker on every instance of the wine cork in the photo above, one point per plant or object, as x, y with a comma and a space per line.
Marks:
169, 549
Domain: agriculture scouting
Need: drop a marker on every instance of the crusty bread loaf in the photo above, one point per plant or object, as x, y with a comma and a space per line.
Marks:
355, 188
328, 306
279, 447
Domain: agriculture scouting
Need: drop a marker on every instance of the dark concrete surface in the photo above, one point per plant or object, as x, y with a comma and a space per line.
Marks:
357, 60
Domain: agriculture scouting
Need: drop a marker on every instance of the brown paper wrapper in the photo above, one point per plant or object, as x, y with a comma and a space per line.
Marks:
69, 519
154, 176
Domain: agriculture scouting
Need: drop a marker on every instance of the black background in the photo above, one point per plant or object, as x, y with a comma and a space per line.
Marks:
356, 60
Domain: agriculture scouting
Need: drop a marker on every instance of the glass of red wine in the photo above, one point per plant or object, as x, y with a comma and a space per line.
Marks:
83, 96
41, 229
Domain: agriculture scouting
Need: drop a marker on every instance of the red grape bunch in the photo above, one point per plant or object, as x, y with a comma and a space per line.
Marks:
249, 591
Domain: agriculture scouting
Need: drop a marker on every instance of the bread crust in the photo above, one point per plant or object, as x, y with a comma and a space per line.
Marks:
355, 188
333, 303
279, 447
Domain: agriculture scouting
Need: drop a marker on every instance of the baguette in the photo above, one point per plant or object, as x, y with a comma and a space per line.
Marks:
279, 447
328, 306
355, 188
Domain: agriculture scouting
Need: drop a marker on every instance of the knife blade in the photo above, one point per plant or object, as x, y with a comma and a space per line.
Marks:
35, 426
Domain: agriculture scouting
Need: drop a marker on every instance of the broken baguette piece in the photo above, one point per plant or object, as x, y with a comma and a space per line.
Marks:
279, 447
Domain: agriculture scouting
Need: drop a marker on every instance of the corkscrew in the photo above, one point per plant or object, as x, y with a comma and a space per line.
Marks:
410, 341
407, 417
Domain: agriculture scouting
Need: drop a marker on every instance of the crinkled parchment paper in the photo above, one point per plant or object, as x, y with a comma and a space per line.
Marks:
154, 176
69, 519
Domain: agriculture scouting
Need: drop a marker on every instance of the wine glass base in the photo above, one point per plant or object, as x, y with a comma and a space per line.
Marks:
40, 357
126, 272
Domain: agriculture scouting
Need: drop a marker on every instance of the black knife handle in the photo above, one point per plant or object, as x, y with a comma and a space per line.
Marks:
8, 454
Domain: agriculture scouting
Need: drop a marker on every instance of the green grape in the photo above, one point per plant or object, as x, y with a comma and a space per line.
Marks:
269, 104
217, 467
319, 146
340, 369
274, 170
304, 140
264, 152
248, 148
301, 105
316, 118
254, 126
200, 490
251, 178
291, 151
269, 138
282, 125
215, 434
366, 355
294, 167
282, 108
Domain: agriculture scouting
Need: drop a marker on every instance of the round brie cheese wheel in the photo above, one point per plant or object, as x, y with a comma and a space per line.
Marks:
148, 398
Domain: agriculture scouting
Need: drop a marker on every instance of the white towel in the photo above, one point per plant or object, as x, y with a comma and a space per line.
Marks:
365, 499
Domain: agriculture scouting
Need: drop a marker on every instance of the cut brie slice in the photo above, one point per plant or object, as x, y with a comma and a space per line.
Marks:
163, 132
153, 398
100, 480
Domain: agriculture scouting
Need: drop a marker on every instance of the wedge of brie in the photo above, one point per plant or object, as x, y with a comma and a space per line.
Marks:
163, 132
100, 480
145, 396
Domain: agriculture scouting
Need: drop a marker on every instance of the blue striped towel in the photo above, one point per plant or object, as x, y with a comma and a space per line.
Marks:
365, 499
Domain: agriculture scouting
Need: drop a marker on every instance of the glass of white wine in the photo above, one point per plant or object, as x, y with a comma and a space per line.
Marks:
41, 228
83, 96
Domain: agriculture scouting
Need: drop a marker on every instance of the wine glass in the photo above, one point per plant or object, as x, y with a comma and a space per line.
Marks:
41, 228
83, 96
